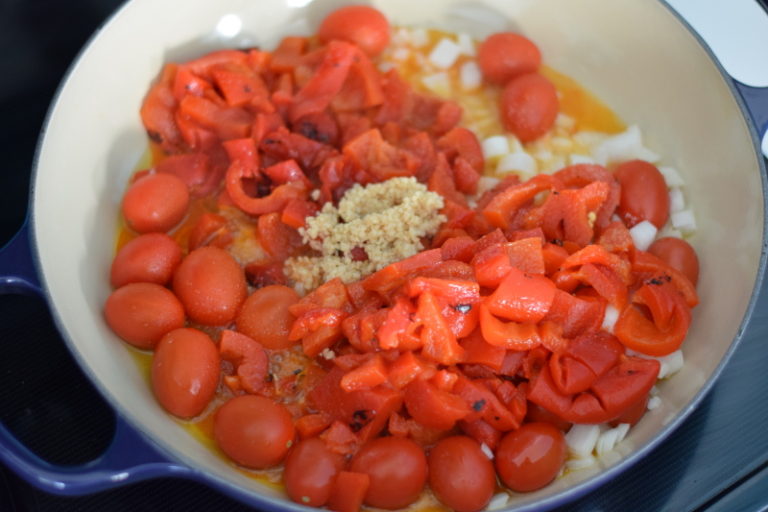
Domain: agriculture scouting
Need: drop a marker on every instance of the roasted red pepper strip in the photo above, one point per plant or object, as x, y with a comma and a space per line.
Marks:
508, 335
274, 202
326, 82
661, 335
522, 297
248, 357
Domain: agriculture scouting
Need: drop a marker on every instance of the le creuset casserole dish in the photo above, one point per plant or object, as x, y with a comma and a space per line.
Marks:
689, 111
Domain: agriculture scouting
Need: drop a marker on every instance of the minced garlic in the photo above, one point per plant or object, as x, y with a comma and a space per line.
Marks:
387, 220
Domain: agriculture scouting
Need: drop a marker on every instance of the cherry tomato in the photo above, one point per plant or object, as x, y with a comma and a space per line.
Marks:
265, 316
678, 254
531, 456
155, 202
141, 313
398, 470
644, 193
211, 285
253, 431
362, 25
529, 106
310, 470
185, 372
149, 258
460, 474
505, 55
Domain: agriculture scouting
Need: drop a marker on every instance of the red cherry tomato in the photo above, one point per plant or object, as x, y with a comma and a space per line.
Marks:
155, 202
644, 193
529, 106
265, 316
253, 431
531, 456
211, 285
505, 55
398, 470
141, 313
185, 372
149, 258
310, 470
362, 25
460, 474
678, 254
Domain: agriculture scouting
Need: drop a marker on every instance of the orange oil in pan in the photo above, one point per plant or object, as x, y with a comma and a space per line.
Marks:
588, 113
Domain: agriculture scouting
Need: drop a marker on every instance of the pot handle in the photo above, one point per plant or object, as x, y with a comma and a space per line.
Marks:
18, 274
756, 99
129, 457
737, 33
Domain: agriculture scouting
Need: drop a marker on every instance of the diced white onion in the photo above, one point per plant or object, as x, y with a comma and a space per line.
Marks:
486, 183
562, 144
643, 234
517, 161
445, 53
581, 439
670, 364
627, 145
498, 501
496, 145
606, 442
401, 36
622, 430
401, 54
419, 37
470, 75
439, 83
669, 231
580, 159
654, 402
486, 451
589, 138
684, 221
676, 199
466, 44
580, 463
671, 176
564, 121
609, 318
385, 66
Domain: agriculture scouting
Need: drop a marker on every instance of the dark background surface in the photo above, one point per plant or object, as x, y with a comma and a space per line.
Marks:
717, 460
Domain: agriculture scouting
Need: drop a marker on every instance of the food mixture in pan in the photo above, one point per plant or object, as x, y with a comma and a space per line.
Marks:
396, 267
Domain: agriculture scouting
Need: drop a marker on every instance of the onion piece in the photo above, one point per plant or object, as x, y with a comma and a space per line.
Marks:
439, 83
653, 403
609, 318
684, 220
580, 463
643, 234
627, 145
470, 75
494, 146
581, 439
676, 199
518, 161
466, 44
419, 37
580, 159
670, 364
671, 176
444, 54
498, 501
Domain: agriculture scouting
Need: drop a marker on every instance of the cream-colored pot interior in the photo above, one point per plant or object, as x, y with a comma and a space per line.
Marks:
635, 55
